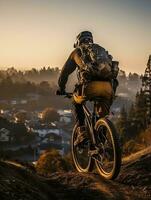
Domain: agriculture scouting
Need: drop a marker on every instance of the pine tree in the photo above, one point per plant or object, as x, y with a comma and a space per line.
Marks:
132, 122
122, 124
140, 111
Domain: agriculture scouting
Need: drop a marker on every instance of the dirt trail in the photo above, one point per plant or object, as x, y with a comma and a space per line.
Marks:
133, 182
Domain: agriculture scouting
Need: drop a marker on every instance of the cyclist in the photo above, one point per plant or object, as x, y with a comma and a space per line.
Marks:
97, 78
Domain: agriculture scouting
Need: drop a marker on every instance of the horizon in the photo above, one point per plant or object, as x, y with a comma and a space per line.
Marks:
51, 67
36, 34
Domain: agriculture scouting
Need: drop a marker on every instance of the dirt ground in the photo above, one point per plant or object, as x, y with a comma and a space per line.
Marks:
18, 182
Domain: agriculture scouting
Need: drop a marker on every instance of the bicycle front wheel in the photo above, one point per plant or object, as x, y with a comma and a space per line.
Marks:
108, 161
80, 154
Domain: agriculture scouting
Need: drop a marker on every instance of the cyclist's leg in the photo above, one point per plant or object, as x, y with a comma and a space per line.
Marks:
79, 116
77, 108
82, 134
78, 113
103, 107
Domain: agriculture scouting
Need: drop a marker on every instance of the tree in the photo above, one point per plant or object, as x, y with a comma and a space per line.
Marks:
21, 116
122, 78
141, 108
49, 115
19, 132
133, 77
136, 121
132, 122
122, 124
44, 88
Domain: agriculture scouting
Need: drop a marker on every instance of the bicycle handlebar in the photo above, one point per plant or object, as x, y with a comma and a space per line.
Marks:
68, 95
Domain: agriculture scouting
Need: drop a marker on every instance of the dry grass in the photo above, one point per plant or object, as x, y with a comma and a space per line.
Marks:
51, 161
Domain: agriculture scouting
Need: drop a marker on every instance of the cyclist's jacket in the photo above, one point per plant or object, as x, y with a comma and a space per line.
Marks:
75, 61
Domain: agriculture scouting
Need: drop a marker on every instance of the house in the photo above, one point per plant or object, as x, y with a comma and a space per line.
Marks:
33, 96
3, 101
66, 138
23, 101
4, 135
65, 116
5, 113
42, 132
48, 137
50, 140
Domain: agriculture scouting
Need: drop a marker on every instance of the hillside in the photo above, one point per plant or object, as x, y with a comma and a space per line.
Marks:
19, 183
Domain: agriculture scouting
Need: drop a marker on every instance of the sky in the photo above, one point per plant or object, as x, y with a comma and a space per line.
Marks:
37, 33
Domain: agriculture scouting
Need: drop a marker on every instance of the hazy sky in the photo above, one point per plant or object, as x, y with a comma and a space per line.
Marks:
35, 33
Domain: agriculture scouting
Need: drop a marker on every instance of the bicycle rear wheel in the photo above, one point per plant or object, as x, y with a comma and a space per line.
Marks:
108, 161
82, 161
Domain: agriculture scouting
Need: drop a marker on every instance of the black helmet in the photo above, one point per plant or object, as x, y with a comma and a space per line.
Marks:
84, 35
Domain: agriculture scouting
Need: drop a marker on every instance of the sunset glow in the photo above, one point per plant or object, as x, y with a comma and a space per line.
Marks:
36, 33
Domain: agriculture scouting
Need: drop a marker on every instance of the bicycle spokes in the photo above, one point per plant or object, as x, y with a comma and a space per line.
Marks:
106, 155
80, 153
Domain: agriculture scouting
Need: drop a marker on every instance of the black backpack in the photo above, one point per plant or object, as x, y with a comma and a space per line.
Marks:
98, 64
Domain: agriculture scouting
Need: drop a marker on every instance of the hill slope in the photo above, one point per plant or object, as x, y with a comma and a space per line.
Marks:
134, 182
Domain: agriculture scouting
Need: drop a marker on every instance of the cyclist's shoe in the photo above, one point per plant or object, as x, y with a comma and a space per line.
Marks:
82, 136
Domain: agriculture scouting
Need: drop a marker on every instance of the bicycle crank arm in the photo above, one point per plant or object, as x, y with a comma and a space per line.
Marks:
96, 159
93, 152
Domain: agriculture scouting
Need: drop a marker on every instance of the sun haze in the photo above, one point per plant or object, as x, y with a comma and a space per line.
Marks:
37, 33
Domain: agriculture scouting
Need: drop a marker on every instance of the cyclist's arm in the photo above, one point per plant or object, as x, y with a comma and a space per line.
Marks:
67, 69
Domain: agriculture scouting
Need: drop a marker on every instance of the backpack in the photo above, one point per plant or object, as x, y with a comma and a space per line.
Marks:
97, 64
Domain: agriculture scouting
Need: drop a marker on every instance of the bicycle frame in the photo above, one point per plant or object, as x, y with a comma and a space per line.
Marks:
90, 119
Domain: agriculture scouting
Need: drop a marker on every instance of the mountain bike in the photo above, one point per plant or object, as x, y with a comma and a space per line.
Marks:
102, 148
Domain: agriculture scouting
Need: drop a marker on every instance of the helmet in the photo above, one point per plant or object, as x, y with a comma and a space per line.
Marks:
83, 37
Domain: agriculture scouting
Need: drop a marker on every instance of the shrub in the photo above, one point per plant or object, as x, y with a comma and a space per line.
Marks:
132, 146
51, 161
49, 115
145, 137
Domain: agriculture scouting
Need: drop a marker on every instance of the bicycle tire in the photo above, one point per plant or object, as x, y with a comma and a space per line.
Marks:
79, 168
116, 147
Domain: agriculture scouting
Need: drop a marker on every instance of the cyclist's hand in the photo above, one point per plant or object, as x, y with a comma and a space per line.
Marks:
60, 92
